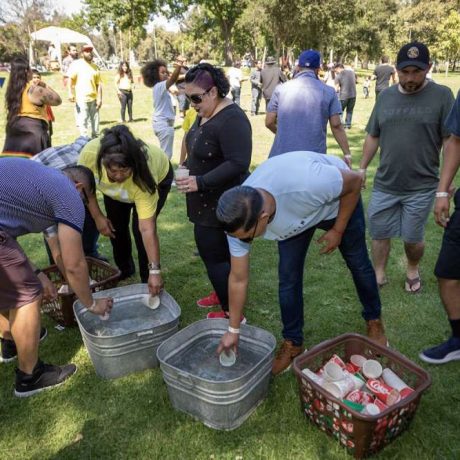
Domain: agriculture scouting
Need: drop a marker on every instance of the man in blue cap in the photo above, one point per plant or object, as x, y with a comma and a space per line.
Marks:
300, 109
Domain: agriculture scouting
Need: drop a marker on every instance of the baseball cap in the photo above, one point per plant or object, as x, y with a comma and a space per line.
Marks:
87, 47
415, 54
310, 59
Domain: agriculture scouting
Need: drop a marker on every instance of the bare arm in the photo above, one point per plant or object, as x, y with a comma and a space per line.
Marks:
175, 75
270, 121
99, 96
349, 197
183, 152
370, 147
449, 169
42, 94
104, 226
76, 270
237, 291
148, 229
341, 137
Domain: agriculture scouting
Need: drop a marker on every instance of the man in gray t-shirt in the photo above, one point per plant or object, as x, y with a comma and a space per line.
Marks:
300, 109
345, 83
382, 75
407, 123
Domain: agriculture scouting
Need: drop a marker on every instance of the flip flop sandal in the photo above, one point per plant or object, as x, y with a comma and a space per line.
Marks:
412, 282
381, 285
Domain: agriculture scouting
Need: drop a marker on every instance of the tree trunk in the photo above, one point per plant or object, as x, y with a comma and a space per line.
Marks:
228, 47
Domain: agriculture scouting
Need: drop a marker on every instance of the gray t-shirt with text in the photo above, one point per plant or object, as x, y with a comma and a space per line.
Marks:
410, 128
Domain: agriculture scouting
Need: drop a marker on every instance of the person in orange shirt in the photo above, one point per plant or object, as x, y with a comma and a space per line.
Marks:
36, 79
27, 130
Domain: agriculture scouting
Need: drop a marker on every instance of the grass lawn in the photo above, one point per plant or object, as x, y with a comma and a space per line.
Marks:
131, 417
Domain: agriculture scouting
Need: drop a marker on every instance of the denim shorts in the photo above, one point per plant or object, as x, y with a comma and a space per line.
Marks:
447, 265
399, 216
19, 285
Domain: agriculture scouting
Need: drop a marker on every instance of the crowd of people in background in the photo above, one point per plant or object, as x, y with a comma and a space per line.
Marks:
297, 190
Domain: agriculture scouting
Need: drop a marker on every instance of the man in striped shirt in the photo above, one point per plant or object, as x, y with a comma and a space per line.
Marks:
32, 199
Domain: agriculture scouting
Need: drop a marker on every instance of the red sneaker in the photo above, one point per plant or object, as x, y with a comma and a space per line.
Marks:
210, 301
223, 315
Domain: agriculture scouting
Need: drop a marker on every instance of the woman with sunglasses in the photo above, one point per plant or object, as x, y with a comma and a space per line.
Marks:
131, 176
219, 146
155, 75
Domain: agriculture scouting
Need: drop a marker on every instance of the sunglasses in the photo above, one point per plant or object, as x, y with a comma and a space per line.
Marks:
249, 240
197, 98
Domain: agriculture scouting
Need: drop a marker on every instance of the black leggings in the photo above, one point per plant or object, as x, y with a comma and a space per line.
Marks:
213, 248
126, 99
119, 214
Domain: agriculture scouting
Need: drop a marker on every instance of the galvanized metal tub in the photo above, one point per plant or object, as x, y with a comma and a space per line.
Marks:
221, 397
128, 341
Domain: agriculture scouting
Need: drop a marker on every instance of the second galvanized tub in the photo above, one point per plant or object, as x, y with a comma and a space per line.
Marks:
128, 341
221, 397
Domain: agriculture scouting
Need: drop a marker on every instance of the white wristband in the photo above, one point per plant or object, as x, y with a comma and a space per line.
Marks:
347, 155
92, 305
362, 170
155, 272
233, 330
442, 194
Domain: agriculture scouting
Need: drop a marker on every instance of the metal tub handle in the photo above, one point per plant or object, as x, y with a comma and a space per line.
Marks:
142, 333
185, 380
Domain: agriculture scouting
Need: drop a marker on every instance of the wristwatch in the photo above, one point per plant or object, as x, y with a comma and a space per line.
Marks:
154, 266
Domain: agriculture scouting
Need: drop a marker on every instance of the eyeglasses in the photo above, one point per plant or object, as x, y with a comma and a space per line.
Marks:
197, 98
249, 240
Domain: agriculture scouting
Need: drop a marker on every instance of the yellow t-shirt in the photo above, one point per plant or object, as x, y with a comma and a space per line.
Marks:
124, 83
128, 191
86, 78
189, 119
30, 110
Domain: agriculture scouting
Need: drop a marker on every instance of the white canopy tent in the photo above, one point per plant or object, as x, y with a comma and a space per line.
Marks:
59, 35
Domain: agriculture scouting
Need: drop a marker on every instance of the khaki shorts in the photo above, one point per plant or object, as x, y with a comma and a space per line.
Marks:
19, 284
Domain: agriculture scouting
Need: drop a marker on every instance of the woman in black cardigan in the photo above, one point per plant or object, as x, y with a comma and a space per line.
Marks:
219, 146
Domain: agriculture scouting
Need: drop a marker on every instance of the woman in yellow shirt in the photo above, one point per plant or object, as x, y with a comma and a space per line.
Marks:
27, 123
131, 176
125, 84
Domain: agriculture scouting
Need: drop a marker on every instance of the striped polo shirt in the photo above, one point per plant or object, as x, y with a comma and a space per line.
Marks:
34, 197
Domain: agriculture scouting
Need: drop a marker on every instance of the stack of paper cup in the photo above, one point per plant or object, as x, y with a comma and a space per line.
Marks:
181, 173
391, 379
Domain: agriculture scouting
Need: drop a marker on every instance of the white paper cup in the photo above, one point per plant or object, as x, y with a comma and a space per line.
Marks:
181, 173
357, 360
312, 376
371, 409
152, 302
333, 372
339, 388
372, 369
227, 358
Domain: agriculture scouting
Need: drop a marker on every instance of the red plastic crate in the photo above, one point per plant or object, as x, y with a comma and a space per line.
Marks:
362, 435
61, 310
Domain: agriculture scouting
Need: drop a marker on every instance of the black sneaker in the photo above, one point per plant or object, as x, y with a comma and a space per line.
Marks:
43, 377
444, 353
9, 352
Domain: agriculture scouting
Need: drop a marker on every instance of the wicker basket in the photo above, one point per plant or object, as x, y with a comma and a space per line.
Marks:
362, 435
61, 310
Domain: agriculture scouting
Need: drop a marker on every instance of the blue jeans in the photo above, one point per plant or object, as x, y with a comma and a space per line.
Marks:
292, 253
